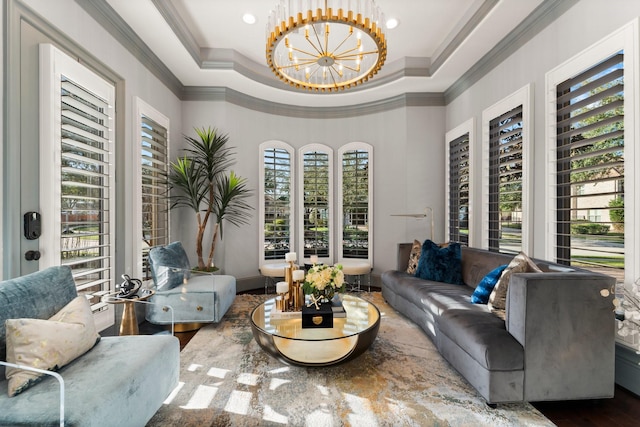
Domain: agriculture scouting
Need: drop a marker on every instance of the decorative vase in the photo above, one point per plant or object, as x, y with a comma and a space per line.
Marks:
324, 295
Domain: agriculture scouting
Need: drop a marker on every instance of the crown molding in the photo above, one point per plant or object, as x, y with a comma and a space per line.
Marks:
104, 14
545, 14
461, 35
223, 94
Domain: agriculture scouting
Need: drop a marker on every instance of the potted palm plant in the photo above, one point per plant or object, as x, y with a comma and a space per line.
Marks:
199, 180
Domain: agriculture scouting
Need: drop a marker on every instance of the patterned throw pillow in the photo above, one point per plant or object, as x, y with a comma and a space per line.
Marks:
414, 257
48, 344
521, 263
486, 285
440, 263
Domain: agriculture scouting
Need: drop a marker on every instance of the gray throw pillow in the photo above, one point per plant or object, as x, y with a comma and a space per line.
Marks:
169, 266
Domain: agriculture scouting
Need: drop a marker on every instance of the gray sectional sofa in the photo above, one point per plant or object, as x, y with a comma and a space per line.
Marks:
557, 342
121, 381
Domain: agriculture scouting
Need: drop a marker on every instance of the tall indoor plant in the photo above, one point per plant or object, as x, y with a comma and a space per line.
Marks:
199, 180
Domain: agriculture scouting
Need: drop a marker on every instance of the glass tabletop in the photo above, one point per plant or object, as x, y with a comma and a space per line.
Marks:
361, 315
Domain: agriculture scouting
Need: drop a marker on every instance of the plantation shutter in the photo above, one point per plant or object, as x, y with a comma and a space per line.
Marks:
590, 166
316, 204
355, 204
505, 181
459, 189
86, 190
155, 187
277, 201
77, 179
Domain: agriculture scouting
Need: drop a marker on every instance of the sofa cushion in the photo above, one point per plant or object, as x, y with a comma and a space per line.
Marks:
486, 285
414, 257
169, 265
128, 378
38, 295
48, 344
440, 264
521, 263
482, 336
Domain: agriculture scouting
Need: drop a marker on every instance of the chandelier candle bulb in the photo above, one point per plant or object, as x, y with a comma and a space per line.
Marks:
314, 259
290, 257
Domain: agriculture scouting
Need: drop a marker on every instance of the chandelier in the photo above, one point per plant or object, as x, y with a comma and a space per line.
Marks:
326, 49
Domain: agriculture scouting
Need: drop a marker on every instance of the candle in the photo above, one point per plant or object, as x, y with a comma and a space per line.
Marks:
298, 275
290, 257
314, 259
282, 287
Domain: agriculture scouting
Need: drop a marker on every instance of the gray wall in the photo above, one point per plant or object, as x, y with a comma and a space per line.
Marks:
555, 44
408, 155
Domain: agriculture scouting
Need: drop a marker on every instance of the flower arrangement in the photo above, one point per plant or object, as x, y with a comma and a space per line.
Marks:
324, 281
629, 309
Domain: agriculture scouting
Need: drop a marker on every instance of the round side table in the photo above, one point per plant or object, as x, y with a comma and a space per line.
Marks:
129, 321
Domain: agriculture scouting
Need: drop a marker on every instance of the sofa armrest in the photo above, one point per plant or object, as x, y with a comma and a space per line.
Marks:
566, 324
56, 375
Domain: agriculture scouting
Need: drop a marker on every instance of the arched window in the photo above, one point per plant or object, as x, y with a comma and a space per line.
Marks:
315, 217
355, 202
276, 200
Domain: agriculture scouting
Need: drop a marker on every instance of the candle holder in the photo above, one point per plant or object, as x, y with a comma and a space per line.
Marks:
296, 291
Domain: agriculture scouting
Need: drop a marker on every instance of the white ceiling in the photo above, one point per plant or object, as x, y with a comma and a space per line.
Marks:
205, 43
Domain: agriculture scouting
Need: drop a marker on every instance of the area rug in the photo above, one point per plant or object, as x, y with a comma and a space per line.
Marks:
227, 380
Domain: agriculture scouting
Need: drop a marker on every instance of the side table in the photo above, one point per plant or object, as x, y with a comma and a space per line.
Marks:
129, 321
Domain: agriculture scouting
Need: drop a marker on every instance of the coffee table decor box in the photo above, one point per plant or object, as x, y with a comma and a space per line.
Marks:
317, 315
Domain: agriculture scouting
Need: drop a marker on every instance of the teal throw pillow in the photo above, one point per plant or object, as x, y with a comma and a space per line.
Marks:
484, 288
440, 263
169, 266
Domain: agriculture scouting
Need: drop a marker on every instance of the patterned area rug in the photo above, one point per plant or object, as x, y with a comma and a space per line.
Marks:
227, 380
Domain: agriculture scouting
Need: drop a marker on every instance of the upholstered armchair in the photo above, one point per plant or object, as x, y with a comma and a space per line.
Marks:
196, 297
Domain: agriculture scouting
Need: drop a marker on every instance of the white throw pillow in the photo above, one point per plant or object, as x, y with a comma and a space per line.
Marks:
48, 344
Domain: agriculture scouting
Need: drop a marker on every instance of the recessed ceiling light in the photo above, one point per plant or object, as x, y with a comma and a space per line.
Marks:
249, 18
392, 23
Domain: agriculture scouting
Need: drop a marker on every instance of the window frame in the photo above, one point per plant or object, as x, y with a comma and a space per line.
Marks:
524, 97
466, 128
54, 64
624, 39
330, 205
268, 145
355, 146
142, 108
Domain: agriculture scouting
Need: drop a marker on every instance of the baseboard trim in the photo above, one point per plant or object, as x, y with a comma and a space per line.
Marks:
628, 368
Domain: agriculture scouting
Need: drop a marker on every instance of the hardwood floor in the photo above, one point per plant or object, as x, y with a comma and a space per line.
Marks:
621, 411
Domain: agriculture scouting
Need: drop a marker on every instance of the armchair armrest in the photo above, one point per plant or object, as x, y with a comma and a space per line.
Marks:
566, 324
56, 375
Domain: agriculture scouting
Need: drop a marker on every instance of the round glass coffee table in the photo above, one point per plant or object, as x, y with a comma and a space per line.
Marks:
286, 339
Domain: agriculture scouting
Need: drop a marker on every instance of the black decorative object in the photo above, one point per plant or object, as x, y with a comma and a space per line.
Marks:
129, 288
321, 317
